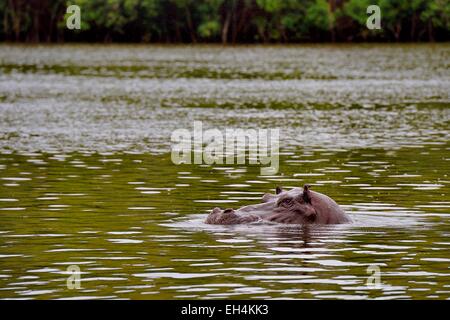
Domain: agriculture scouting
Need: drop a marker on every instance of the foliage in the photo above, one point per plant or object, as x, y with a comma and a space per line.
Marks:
227, 21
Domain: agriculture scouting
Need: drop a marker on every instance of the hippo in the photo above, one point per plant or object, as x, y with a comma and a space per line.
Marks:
296, 206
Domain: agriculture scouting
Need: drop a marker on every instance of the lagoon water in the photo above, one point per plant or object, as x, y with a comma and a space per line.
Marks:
86, 176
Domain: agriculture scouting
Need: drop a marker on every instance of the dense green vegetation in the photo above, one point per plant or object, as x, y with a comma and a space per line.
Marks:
226, 21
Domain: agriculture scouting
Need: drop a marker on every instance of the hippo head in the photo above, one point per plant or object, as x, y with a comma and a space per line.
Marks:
293, 206
296, 206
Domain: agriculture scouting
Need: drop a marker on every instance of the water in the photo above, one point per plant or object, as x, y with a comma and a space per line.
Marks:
86, 177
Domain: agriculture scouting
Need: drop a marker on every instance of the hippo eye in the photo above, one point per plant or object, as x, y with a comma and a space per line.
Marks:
286, 202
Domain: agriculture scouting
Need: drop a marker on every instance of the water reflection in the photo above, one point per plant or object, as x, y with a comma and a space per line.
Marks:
131, 243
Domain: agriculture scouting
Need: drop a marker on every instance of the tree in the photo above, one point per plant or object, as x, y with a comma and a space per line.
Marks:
320, 16
226, 21
209, 25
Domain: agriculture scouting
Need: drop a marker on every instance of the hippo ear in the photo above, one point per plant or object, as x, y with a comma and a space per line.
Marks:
306, 193
278, 190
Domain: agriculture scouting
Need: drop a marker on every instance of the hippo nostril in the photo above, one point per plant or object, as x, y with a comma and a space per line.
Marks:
228, 210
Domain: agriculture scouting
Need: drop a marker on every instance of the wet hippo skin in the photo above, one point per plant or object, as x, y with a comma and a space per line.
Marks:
296, 206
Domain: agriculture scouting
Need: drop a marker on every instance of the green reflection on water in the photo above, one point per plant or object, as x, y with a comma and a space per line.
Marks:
109, 215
